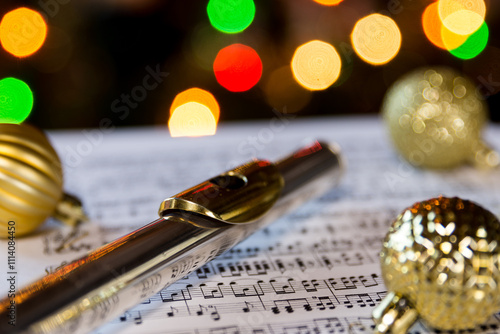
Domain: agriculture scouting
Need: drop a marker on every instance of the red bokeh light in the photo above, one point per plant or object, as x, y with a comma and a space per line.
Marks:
237, 67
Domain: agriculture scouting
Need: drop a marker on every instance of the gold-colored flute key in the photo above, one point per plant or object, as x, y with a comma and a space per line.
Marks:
194, 227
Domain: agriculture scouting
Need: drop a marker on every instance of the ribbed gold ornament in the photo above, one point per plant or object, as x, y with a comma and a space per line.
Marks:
440, 262
31, 180
435, 117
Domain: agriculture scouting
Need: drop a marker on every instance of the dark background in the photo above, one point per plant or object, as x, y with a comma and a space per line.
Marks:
98, 50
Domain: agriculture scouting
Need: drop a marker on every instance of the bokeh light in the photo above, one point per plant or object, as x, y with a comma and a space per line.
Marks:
376, 39
192, 119
462, 17
450, 39
284, 93
22, 32
231, 16
473, 45
316, 65
463, 46
437, 33
197, 95
237, 67
328, 2
16, 100
432, 25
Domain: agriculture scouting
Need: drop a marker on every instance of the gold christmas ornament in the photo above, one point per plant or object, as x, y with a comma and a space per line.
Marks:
435, 118
31, 182
440, 263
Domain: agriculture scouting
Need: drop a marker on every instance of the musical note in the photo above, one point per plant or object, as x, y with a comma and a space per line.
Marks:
204, 271
310, 286
202, 310
123, 317
214, 314
359, 299
134, 316
246, 290
247, 307
257, 268
282, 287
211, 292
370, 280
343, 283
360, 325
291, 305
168, 295
325, 302
328, 325
172, 311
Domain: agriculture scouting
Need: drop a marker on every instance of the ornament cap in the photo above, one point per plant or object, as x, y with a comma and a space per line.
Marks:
394, 315
69, 211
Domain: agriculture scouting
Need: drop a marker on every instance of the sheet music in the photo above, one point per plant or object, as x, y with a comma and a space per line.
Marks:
313, 271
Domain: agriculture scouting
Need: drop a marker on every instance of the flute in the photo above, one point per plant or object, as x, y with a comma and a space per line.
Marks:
194, 227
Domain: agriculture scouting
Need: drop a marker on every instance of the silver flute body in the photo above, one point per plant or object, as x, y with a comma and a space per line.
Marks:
194, 227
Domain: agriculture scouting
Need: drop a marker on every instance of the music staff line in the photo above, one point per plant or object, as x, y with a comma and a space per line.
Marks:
278, 285
261, 267
280, 306
321, 325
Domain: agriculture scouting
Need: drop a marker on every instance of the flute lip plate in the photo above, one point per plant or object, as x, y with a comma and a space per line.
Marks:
241, 195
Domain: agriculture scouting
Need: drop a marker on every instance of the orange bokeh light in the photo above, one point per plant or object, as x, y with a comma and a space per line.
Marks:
432, 25
22, 32
192, 119
197, 95
328, 2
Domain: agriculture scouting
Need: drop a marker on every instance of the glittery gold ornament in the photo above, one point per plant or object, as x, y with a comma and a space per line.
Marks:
31, 182
435, 118
440, 262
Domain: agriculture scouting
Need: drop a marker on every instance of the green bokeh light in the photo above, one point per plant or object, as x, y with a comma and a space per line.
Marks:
474, 44
231, 16
16, 100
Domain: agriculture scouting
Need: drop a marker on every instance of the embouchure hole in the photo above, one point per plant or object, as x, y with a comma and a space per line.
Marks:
230, 181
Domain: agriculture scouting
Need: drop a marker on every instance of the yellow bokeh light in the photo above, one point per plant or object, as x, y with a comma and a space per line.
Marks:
462, 17
463, 22
197, 95
376, 39
192, 119
316, 65
22, 32
450, 39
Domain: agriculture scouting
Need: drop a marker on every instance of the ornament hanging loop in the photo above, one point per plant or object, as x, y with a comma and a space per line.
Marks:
394, 315
484, 156
69, 211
